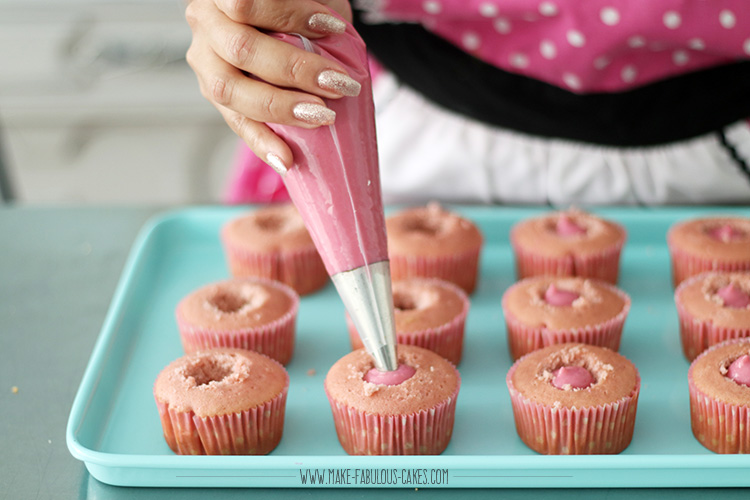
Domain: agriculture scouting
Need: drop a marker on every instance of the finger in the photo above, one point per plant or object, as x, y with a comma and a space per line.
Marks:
306, 17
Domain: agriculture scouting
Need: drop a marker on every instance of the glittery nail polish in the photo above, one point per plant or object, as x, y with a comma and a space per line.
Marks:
326, 24
314, 114
339, 82
276, 163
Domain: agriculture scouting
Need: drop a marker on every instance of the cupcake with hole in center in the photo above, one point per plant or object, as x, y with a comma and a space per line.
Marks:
709, 244
244, 313
273, 242
409, 411
719, 383
222, 402
712, 307
546, 310
569, 243
429, 313
431, 242
574, 399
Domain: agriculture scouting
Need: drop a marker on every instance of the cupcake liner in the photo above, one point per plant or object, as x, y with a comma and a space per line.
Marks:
604, 265
461, 269
720, 427
447, 340
256, 431
426, 432
302, 270
274, 339
697, 335
685, 265
604, 429
522, 339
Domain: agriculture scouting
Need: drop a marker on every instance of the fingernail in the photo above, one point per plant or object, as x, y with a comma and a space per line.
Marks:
276, 163
314, 114
326, 24
339, 82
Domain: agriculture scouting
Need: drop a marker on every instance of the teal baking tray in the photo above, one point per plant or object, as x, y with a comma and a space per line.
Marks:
114, 426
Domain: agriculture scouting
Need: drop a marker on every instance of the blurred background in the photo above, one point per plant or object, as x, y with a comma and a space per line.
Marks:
97, 105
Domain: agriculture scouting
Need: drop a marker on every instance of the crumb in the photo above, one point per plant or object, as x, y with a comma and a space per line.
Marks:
49, 441
311, 372
14, 389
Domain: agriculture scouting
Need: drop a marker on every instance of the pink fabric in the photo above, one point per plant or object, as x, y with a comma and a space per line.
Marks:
591, 46
253, 181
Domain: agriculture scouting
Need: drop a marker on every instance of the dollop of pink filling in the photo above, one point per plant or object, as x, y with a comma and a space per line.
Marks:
402, 373
557, 297
567, 227
733, 296
739, 370
725, 233
575, 377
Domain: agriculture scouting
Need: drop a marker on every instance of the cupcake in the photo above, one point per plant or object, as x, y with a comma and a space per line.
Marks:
709, 244
570, 243
719, 384
429, 313
574, 399
273, 242
222, 402
546, 310
712, 307
431, 242
409, 411
244, 313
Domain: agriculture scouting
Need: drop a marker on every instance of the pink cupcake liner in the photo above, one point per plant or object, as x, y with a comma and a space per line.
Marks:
523, 339
426, 432
604, 429
274, 339
685, 265
461, 269
697, 335
256, 431
604, 266
720, 427
303, 271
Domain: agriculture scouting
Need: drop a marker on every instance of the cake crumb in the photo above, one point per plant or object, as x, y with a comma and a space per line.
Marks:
311, 372
49, 441
14, 389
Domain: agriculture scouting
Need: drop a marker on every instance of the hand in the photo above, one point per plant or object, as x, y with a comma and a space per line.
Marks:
254, 79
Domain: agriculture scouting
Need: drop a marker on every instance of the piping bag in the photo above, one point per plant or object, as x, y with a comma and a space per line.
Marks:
335, 185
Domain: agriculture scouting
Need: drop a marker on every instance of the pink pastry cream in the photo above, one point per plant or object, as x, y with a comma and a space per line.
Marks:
572, 377
395, 377
733, 296
739, 370
725, 233
559, 297
566, 226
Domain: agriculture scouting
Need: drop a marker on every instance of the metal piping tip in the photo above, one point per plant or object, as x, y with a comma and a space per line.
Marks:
368, 297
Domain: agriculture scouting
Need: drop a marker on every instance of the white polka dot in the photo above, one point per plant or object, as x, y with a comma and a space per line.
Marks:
502, 25
609, 16
572, 81
471, 40
518, 60
696, 44
746, 46
672, 19
636, 42
629, 73
487, 9
548, 9
727, 19
601, 62
432, 6
680, 57
576, 38
548, 49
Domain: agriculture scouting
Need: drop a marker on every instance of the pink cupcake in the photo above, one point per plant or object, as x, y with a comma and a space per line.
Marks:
546, 310
709, 244
406, 412
574, 399
571, 243
429, 313
222, 402
712, 307
273, 242
243, 313
430, 242
719, 384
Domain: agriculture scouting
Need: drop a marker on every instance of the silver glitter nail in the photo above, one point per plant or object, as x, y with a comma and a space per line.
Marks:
339, 82
276, 163
314, 114
326, 24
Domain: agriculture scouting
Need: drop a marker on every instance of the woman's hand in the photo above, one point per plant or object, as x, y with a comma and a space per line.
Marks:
254, 79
